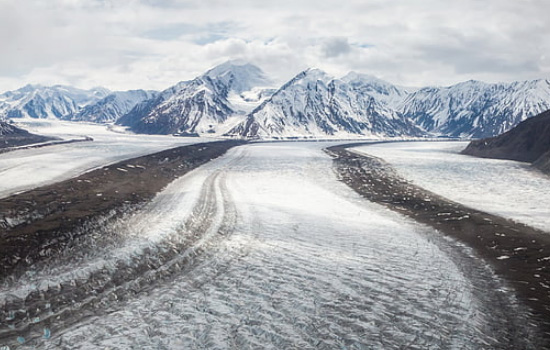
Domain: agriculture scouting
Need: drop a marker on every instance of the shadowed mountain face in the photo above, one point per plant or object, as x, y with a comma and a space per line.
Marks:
8, 129
529, 142
11, 136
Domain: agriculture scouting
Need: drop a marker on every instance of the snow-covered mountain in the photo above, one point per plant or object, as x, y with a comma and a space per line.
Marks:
204, 104
237, 99
476, 109
315, 104
110, 108
37, 101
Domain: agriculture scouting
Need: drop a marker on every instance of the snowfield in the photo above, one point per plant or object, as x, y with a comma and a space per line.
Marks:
287, 258
502, 187
28, 168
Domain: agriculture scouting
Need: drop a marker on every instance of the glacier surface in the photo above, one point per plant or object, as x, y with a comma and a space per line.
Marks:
288, 258
507, 188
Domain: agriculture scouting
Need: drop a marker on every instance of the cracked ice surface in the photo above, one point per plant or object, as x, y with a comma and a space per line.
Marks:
502, 187
304, 262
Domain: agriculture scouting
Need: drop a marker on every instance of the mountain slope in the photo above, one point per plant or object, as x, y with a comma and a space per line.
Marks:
112, 107
11, 136
476, 109
36, 101
314, 104
8, 129
203, 104
529, 141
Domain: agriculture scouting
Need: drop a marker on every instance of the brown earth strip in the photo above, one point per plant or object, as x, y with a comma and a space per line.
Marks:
518, 253
34, 225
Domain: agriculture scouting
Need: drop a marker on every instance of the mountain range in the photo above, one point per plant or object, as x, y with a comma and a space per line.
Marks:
476, 109
314, 103
97, 105
238, 99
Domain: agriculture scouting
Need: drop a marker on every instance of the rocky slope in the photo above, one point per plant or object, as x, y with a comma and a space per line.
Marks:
8, 129
11, 136
529, 141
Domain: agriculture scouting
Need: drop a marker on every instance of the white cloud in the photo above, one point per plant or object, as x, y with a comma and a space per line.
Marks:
123, 44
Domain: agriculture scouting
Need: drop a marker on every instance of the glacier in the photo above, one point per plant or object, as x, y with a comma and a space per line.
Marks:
290, 258
507, 188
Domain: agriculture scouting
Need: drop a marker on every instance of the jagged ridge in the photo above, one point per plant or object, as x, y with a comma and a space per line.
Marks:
314, 104
476, 109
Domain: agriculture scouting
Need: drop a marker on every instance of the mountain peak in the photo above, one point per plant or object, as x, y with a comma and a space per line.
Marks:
317, 74
239, 76
231, 65
354, 76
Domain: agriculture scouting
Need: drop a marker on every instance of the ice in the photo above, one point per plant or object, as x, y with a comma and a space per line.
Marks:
288, 258
25, 169
502, 187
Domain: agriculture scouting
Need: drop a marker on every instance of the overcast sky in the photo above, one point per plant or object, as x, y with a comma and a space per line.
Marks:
129, 44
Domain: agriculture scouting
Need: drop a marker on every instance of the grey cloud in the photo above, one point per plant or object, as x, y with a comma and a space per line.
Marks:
481, 53
334, 47
159, 42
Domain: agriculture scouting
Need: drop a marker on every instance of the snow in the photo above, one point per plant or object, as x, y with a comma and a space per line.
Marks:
28, 168
49, 102
205, 104
506, 188
289, 258
239, 76
381, 90
470, 108
112, 107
